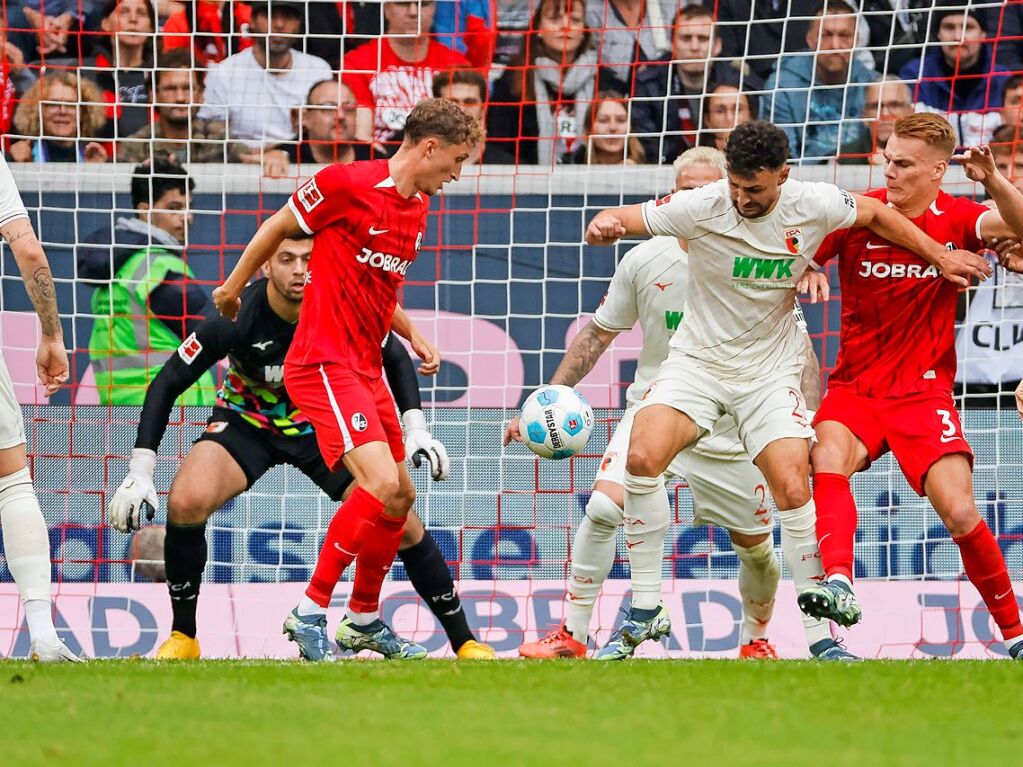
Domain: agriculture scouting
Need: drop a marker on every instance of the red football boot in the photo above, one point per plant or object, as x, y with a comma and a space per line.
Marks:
758, 649
557, 644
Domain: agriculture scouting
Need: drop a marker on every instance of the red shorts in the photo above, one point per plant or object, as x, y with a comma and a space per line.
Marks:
346, 409
918, 429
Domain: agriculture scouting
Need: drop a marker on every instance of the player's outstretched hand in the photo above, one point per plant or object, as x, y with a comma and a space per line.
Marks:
228, 304
427, 353
51, 364
511, 432
978, 163
815, 284
604, 229
420, 444
1010, 254
135, 500
961, 266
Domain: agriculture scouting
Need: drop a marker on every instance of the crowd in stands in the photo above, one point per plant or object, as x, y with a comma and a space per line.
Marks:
555, 81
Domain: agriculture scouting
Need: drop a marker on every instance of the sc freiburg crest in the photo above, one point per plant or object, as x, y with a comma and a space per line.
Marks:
794, 240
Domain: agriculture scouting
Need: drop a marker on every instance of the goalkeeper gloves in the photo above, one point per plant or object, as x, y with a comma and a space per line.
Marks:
136, 498
420, 443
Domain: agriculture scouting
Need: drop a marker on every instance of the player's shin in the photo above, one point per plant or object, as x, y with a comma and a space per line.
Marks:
593, 553
350, 526
985, 567
799, 547
836, 523
431, 578
374, 561
759, 574
647, 514
27, 550
185, 554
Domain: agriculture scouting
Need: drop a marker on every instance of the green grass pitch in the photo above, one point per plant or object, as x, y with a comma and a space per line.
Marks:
558, 714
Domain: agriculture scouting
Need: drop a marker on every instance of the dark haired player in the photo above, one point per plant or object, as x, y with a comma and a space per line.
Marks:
255, 427
739, 351
368, 220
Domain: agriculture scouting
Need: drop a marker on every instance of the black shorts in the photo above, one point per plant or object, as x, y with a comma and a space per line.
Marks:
257, 451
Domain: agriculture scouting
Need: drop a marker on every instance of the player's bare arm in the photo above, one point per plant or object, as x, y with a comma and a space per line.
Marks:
51, 357
1006, 218
580, 357
271, 233
956, 266
610, 225
402, 324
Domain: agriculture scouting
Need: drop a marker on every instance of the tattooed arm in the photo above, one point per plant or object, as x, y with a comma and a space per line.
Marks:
579, 360
51, 358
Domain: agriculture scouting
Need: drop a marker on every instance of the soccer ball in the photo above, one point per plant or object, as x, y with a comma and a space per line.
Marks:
555, 422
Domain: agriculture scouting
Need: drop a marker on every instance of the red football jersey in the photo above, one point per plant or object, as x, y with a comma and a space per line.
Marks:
898, 313
365, 237
391, 86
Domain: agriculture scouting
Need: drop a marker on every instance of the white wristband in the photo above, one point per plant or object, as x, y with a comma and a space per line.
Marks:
414, 420
143, 461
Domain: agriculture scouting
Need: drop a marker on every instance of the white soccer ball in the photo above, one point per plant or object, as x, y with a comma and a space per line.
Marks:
555, 422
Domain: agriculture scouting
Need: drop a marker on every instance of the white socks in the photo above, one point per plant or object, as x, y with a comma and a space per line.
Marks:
759, 574
593, 554
27, 548
308, 608
799, 546
364, 619
647, 514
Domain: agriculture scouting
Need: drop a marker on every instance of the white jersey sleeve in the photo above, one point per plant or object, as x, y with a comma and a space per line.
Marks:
674, 215
11, 206
837, 205
619, 310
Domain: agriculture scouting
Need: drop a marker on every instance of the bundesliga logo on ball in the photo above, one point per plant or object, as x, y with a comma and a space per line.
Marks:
556, 422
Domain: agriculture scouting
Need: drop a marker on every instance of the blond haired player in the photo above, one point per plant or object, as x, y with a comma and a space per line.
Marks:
26, 542
740, 351
649, 286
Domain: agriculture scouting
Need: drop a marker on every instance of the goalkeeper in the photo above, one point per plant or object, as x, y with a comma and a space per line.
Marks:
254, 427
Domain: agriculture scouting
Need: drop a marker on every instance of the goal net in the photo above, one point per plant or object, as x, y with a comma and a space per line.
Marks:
502, 284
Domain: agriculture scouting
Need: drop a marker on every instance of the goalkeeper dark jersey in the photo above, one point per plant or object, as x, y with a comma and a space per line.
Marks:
255, 345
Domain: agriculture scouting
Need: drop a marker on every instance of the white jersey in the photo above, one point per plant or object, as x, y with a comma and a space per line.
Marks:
649, 286
11, 206
739, 320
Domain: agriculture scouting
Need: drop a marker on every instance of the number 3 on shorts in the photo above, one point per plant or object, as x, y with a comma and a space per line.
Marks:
948, 430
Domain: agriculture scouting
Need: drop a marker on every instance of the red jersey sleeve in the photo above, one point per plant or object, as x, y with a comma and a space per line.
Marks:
967, 217
323, 199
829, 248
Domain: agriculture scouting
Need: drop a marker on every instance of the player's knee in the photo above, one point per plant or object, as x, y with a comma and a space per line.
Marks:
831, 457
791, 492
404, 497
603, 511
643, 462
386, 488
188, 506
961, 517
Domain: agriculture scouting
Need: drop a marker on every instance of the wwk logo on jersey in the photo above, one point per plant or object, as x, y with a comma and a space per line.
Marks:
747, 269
190, 349
794, 240
310, 195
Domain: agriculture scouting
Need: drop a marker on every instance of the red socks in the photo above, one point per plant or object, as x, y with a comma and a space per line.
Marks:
351, 526
375, 559
836, 523
985, 567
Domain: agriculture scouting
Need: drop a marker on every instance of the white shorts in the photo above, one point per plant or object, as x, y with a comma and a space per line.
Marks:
767, 409
728, 490
12, 428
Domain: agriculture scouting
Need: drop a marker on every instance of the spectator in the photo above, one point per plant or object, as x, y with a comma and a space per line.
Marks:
1007, 149
757, 31
326, 127
886, 101
631, 32
212, 29
1012, 99
50, 30
468, 89
178, 132
818, 96
390, 75
896, 30
668, 125
536, 105
62, 114
606, 134
724, 107
123, 69
144, 302
467, 27
254, 91
959, 77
